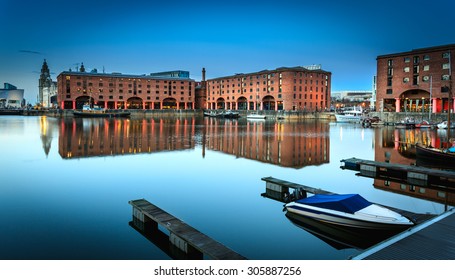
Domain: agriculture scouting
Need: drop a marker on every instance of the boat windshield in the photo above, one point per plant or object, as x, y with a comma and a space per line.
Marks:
348, 203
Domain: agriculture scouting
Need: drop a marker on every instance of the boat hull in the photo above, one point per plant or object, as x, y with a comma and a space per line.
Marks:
432, 157
341, 237
347, 118
255, 117
349, 220
101, 114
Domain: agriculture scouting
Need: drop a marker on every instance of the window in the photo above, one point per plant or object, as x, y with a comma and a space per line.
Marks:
390, 62
389, 91
415, 80
406, 80
445, 55
389, 71
406, 69
445, 77
426, 57
445, 66
416, 69
407, 59
426, 68
389, 81
416, 59
425, 78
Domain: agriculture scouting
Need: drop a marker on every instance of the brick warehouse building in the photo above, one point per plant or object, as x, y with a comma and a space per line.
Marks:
409, 81
295, 88
165, 90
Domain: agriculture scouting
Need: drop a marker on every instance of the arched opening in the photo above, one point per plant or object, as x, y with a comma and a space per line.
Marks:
415, 101
269, 103
169, 103
134, 103
82, 100
220, 104
242, 103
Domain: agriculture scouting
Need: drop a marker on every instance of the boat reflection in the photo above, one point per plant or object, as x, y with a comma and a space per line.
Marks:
340, 237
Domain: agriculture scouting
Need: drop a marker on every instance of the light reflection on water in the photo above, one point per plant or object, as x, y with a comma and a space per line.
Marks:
66, 183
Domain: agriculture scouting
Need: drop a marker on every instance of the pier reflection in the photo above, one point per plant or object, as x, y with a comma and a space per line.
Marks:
288, 144
398, 146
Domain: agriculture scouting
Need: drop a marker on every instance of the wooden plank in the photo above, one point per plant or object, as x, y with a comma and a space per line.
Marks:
401, 167
433, 240
192, 236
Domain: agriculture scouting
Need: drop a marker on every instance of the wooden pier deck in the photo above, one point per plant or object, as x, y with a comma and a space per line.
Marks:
183, 236
280, 189
277, 189
416, 175
432, 240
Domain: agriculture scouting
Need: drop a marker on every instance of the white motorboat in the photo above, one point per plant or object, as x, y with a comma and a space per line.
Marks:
444, 125
255, 116
351, 115
349, 210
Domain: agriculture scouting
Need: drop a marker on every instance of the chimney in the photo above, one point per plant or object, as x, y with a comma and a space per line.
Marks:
203, 74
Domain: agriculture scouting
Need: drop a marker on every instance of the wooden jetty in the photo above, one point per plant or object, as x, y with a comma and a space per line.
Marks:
277, 189
432, 240
280, 189
414, 175
183, 236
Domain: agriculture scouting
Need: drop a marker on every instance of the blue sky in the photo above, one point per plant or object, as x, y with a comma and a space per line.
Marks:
140, 37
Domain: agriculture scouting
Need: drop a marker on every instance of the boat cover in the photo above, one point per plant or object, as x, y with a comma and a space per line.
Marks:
348, 203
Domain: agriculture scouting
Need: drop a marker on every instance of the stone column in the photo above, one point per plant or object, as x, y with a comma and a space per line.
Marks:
397, 105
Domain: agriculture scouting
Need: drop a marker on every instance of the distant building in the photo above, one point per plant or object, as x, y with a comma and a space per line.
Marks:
285, 88
351, 98
415, 81
164, 90
373, 96
47, 89
11, 97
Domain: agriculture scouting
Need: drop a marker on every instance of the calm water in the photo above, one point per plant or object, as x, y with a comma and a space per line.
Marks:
66, 183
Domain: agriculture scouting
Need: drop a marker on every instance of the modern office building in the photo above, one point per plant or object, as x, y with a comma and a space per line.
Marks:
164, 90
285, 88
415, 81
11, 97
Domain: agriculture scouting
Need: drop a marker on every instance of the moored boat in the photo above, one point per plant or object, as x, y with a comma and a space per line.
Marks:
434, 157
351, 115
255, 116
349, 210
423, 124
444, 125
96, 112
212, 114
340, 237
231, 114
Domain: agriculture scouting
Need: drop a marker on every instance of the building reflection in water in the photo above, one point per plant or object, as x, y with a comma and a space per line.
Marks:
399, 146
288, 144
87, 137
